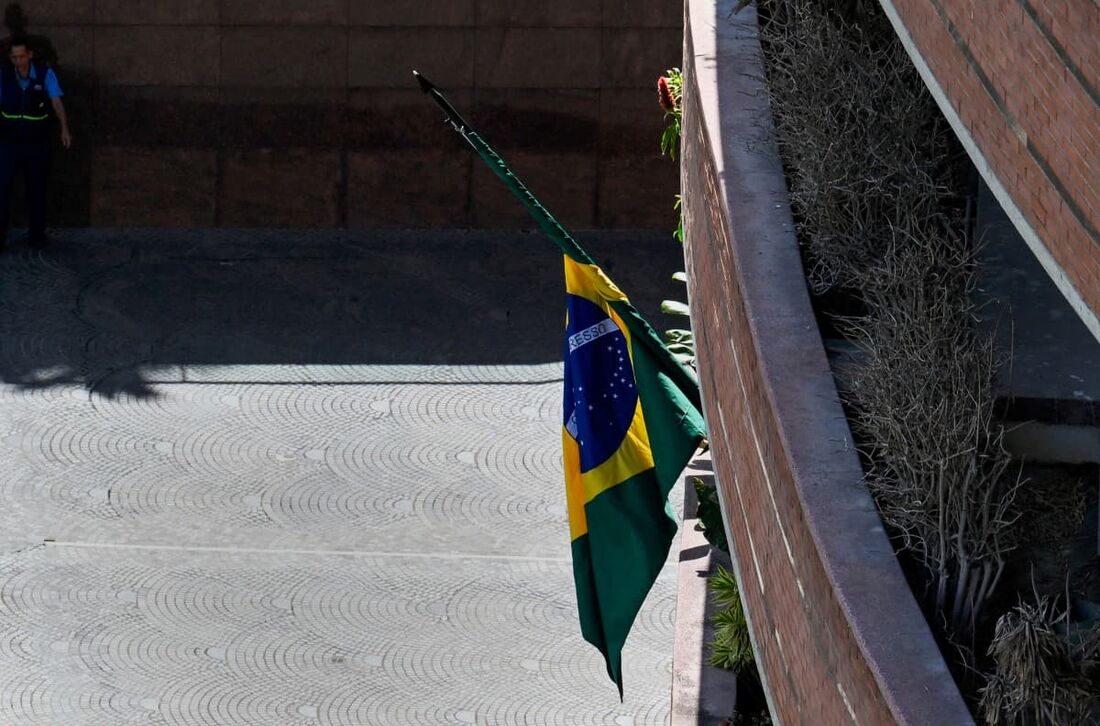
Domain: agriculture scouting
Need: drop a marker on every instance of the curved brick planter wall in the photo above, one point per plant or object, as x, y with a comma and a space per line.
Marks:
303, 113
1020, 82
836, 630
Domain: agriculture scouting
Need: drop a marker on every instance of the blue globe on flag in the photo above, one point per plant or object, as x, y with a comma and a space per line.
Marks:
600, 396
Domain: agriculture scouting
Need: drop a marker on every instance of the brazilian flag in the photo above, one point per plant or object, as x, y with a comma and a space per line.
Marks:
629, 431
631, 423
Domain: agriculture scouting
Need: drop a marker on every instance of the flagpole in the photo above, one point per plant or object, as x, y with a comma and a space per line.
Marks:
546, 221
684, 378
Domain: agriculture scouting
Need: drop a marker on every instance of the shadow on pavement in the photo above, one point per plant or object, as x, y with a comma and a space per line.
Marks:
113, 310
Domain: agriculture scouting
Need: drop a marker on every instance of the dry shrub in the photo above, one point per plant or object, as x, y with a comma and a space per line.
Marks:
861, 137
1042, 675
922, 404
869, 161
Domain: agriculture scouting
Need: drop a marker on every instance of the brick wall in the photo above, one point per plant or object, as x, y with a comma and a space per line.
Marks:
837, 634
304, 112
1023, 78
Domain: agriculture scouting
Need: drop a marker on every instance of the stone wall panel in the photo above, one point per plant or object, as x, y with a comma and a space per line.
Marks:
291, 13
538, 57
378, 196
157, 55
415, 13
61, 12
638, 191
281, 188
564, 183
386, 57
633, 58
75, 47
631, 121
539, 119
566, 88
183, 195
153, 116
286, 57
163, 12
283, 117
399, 118
538, 13
643, 14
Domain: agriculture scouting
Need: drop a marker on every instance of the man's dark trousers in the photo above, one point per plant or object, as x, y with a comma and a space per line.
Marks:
33, 160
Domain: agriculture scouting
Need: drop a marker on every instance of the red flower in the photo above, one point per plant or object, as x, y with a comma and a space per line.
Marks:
664, 95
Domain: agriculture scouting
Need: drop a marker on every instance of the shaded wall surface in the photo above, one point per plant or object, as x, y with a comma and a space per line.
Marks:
1020, 81
305, 113
837, 634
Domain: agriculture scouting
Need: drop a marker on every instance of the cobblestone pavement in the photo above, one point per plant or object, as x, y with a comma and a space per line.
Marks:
290, 478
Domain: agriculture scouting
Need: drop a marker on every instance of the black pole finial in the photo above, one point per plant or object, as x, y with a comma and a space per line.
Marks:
425, 85
453, 117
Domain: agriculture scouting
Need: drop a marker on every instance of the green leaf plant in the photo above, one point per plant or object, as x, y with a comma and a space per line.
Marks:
670, 88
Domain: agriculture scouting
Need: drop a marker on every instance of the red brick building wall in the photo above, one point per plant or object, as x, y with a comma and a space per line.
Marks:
305, 112
1022, 78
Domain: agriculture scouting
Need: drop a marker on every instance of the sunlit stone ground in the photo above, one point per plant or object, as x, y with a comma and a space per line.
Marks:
285, 478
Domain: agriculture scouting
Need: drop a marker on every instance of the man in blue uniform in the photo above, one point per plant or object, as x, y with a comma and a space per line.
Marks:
28, 91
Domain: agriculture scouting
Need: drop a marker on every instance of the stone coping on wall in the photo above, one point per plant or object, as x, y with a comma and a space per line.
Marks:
837, 632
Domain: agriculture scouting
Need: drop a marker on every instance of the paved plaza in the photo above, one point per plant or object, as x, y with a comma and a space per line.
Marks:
299, 478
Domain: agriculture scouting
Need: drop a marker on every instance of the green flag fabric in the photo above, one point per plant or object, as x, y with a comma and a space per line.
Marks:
631, 423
